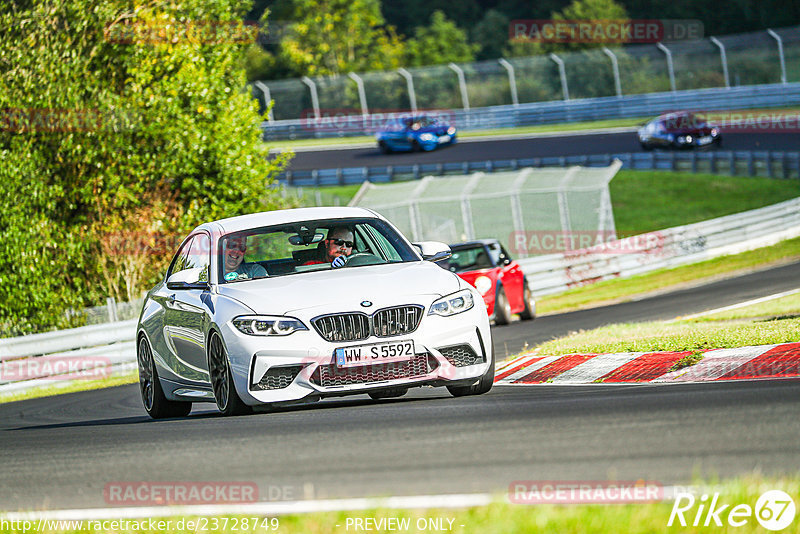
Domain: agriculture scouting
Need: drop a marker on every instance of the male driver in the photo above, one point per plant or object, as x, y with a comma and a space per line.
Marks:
338, 246
235, 248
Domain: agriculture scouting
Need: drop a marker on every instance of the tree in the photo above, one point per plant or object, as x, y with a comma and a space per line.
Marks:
338, 36
439, 42
119, 123
491, 34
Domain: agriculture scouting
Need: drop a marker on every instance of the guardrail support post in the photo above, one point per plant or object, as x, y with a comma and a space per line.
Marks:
362, 95
267, 99
563, 74
724, 59
412, 95
512, 80
615, 69
312, 87
670, 68
780, 54
462, 83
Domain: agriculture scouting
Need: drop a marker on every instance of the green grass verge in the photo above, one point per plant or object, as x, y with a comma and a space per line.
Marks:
783, 307
675, 336
619, 290
501, 517
82, 385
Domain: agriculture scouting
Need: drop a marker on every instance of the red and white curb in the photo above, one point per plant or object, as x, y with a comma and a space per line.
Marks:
745, 363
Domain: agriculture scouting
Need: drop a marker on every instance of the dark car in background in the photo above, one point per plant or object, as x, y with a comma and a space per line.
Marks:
409, 134
486, 265
682, 129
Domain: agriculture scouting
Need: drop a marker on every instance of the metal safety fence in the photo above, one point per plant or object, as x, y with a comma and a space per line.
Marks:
772, 164
764, 57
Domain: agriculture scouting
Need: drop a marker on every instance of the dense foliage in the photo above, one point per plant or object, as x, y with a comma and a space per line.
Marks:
124, 125
485, 22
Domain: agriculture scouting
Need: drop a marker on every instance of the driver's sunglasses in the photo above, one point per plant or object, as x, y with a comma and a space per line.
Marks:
342, 242
241, 247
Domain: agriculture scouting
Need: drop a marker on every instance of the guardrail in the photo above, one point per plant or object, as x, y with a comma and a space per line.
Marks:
61, 357
111, 347
771, 164
681, 245
553, 112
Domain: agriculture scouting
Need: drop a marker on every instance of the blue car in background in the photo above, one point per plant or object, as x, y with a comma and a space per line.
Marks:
410, 134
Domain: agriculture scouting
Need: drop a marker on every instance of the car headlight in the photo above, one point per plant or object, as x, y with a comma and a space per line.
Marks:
267, 325
714, 132
426, 137
483, 284
452, 304
451, 130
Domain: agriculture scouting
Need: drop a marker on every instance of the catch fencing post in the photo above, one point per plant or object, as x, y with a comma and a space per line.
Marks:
312, 87
670, 67
412, 95
780, 54
462, 83
512, 80
615, 69
563, 74
267, 99
724, 59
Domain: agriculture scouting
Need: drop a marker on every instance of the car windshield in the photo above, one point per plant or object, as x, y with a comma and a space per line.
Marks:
470, 258
305, 246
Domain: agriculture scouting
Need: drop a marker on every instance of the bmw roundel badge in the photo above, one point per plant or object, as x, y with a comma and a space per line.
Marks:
366, 303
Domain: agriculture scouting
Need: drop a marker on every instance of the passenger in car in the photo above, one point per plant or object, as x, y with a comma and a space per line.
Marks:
338, 245
235, 267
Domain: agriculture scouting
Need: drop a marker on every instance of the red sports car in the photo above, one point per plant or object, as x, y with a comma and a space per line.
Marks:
486, 265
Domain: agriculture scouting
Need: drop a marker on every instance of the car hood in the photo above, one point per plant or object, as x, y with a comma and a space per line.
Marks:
384, 285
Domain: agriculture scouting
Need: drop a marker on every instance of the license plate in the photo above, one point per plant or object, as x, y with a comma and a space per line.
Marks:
444, 139
704, 140
394, 351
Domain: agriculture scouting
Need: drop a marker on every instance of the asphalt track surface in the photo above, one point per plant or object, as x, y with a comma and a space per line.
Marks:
506, 149
61, 452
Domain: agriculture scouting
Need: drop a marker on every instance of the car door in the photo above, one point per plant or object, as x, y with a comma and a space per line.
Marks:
186, 317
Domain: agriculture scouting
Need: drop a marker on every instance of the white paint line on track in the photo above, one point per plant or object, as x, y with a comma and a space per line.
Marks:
592, 369
741, 304
464, 500
531, 368
516, 361
715, 363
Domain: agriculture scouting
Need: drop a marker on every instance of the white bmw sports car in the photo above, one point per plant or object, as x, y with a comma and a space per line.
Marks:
296, 305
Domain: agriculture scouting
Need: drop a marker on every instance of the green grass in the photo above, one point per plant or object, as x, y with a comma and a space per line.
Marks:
502, 517
787, 306
674, 336
644, 201
81, 385
619, 290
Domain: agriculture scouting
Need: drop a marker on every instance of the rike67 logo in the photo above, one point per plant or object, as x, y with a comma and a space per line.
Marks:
774, 510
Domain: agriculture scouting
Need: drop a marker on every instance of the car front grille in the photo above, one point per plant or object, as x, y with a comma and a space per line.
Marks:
357, 326
343, 327
461, 355
330, 375
279, 377
396, 321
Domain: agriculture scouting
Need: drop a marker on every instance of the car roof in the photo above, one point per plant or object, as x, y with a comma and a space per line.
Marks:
269, 218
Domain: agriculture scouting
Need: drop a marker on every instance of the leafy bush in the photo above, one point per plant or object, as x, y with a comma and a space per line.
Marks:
118, 121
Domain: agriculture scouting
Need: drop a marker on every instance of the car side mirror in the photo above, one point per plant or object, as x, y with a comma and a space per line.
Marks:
433, 250
196, 278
